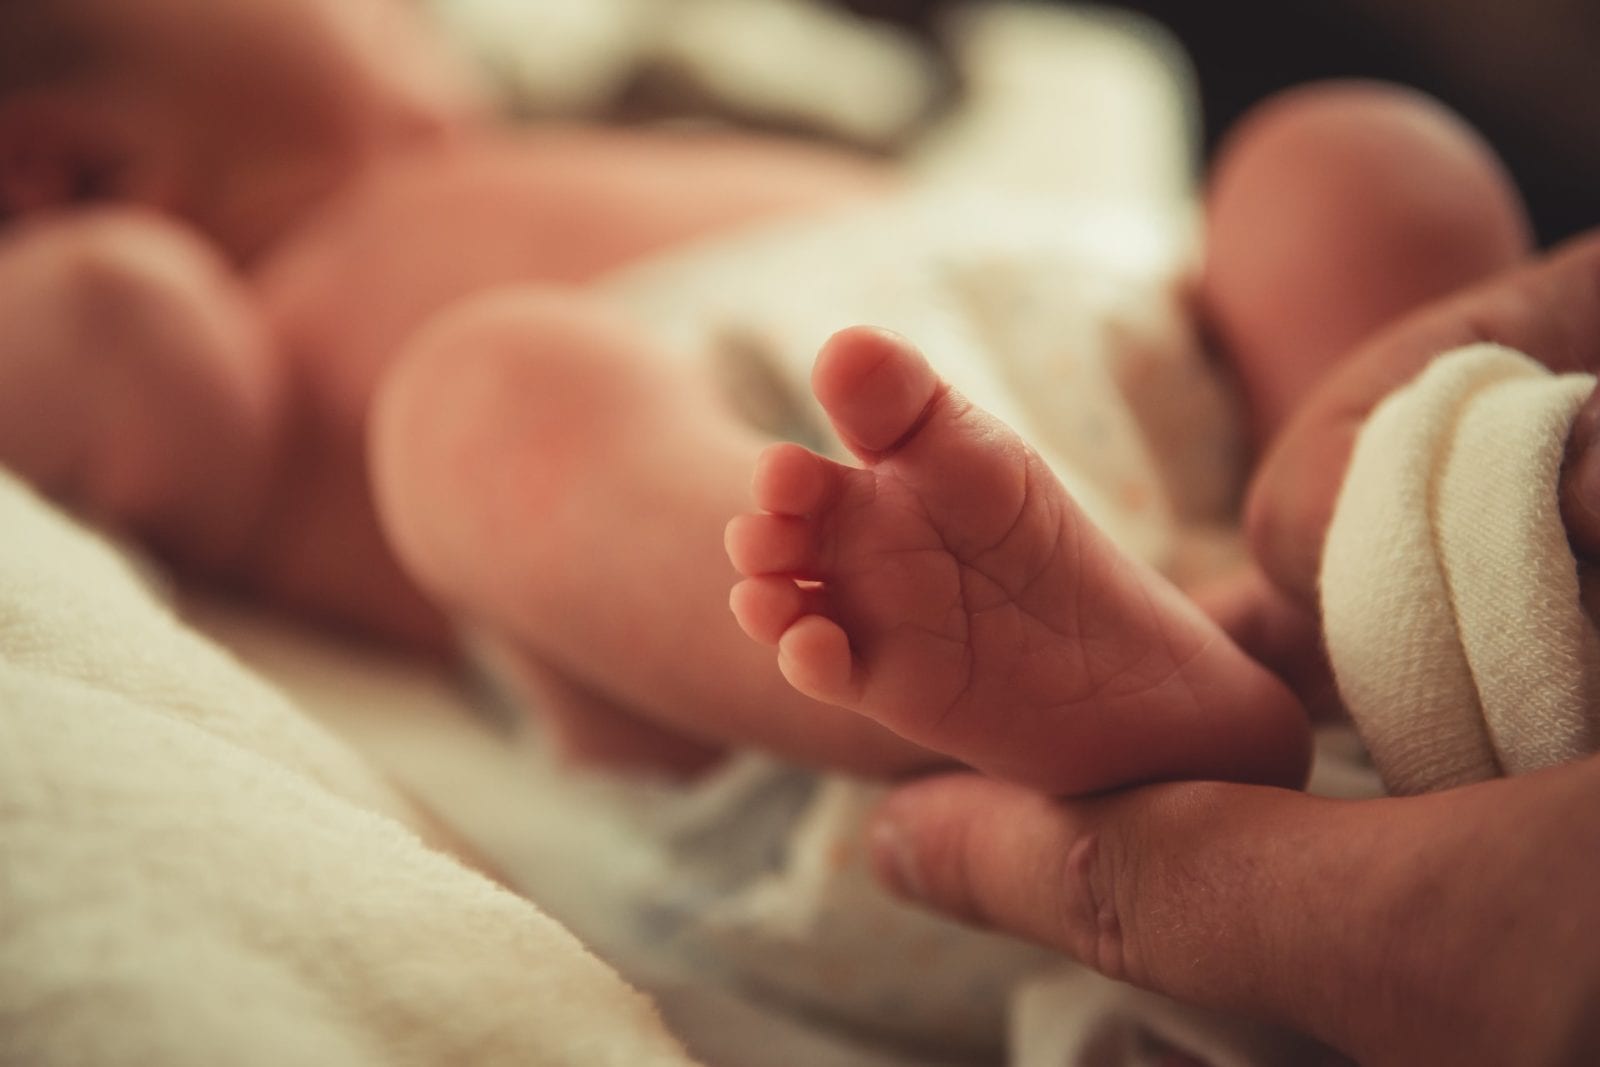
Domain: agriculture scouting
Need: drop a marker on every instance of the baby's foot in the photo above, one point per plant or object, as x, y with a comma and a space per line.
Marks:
951, 590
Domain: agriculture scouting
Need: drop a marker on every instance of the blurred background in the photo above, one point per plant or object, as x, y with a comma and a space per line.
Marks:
1526, 74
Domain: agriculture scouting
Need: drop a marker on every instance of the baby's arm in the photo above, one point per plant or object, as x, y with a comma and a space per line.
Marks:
137, 383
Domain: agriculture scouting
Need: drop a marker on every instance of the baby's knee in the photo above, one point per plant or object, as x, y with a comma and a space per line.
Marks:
1334, 209
523, 355
484, 408
1341, 160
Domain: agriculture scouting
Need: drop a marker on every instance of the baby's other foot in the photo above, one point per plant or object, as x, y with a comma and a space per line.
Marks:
950, 589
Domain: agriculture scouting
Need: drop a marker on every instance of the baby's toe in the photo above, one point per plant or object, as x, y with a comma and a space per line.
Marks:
766, 607
876, 388
771, 544
814, 655
792, 480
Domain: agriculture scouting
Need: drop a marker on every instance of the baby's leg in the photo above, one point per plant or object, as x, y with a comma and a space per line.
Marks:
553, 480
951, 590
1333, 209
585, 728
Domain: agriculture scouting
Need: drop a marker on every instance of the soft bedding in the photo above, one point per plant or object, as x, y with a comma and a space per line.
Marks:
194, 872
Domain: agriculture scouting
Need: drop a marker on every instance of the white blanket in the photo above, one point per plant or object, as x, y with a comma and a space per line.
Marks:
192, 872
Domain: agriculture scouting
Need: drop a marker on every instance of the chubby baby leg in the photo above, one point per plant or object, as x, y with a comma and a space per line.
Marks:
950, 589
554, 480
1334, 209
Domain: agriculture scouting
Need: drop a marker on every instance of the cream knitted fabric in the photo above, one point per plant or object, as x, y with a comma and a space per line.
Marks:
1449, 595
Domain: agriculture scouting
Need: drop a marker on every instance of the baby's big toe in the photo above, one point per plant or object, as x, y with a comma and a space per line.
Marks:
875, 387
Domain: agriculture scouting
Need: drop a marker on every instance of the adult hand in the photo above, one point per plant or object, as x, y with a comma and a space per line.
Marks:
1459, 927
1549, 310
1456, 927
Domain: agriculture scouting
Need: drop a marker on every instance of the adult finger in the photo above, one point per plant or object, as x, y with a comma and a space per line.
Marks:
1427, 929
1549, 310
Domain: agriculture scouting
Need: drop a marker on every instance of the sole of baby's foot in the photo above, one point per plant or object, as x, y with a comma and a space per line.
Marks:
950, 589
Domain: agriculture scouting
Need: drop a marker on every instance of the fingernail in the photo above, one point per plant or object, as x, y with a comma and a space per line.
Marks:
894, 861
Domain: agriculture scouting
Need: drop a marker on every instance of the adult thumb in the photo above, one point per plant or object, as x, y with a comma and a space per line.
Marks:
1384, 928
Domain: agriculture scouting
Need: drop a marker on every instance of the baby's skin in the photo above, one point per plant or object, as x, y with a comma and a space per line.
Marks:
376, 392
547, 209
192, 348
525, 435
951, 589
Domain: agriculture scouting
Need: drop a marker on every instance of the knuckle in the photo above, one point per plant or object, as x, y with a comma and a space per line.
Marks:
1131, 901
1097, 922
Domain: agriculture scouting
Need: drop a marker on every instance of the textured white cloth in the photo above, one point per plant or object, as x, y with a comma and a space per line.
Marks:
1065, 318
797, 63
1449, 594
192, 872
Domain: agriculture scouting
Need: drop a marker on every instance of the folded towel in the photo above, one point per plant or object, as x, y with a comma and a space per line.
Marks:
1449, 594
